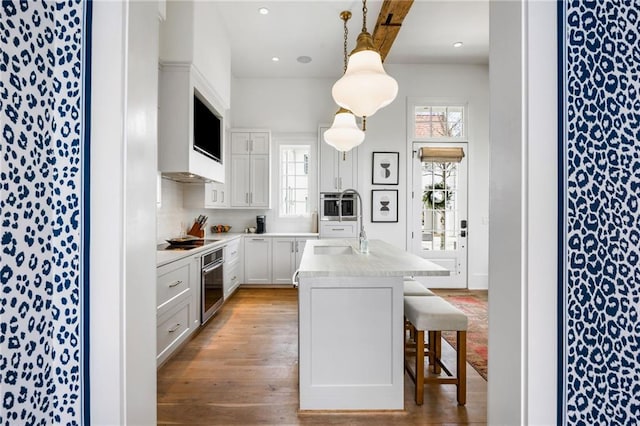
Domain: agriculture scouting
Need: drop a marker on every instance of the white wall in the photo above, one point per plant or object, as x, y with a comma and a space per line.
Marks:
123, 170
300, 105
193, 32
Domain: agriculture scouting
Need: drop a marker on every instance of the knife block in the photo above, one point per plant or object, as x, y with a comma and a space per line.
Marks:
196, 231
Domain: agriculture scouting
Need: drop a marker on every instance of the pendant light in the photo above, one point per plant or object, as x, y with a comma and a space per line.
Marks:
365, 87
344, 133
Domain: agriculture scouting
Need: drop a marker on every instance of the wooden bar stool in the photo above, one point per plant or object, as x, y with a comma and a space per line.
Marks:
434, 315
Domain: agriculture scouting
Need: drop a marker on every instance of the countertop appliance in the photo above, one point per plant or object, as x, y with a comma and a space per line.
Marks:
329, 206
261, 224
212, 280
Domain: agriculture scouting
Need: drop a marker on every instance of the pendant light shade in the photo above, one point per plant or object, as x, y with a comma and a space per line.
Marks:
365, 87
344, 133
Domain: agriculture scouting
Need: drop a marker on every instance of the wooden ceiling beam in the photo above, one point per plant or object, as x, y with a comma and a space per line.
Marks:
389, 23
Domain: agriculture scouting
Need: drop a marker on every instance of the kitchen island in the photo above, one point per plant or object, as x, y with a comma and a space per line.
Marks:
351, 326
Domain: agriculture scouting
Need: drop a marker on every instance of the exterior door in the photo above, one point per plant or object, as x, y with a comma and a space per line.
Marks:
439, 214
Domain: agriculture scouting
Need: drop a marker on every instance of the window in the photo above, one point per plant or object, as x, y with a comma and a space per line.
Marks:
294, 180
440, 122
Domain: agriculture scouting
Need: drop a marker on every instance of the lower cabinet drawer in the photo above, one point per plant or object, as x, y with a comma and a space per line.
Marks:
173, 328
341, 230
172, 283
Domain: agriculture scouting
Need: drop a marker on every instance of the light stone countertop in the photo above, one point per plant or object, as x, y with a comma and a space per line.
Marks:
383, 259
167, 256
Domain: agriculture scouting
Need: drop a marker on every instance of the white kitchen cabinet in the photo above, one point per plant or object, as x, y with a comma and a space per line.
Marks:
249, 142
177, 158
257, 260
284, 260
287, 253
231, 267
177, 307
338, 170
300, 245
333, 229
250, 170
206, 196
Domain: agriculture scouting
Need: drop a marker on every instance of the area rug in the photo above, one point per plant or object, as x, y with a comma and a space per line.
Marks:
474, 304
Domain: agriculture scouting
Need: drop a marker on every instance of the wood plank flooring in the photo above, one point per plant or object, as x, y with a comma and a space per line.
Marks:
242, 369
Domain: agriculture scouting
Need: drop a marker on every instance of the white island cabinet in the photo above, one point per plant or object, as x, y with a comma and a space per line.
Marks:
351, 326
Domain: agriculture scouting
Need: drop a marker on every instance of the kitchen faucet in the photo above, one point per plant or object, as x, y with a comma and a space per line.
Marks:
364, 243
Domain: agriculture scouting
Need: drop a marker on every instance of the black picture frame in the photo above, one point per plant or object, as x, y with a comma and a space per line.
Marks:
384, 205
385, 168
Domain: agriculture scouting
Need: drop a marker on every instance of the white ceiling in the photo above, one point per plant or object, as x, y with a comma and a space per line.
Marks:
314, 28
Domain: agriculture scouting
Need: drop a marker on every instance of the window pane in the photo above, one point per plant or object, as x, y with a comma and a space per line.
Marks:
439, 122
294, 180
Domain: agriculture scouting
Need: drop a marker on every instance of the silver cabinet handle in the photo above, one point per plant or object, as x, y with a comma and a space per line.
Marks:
340, 180
247, 145
175, 327
291, 246
297, 246
246, 198
222, 196
234, 253
335, 183
215, 195
175, 283
257, 239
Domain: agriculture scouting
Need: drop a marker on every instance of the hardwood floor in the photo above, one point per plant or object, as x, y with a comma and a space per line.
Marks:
242, 369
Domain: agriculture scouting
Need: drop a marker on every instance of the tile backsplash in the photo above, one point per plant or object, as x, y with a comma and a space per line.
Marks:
173, 219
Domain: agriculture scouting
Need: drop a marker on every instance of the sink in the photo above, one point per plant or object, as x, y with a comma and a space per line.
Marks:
333, 250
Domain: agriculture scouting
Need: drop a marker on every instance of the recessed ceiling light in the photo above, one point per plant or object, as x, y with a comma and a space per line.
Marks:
458, 44
263, 11
275, 59
304, 59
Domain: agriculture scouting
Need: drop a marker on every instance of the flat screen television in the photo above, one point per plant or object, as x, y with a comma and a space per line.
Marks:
207, 130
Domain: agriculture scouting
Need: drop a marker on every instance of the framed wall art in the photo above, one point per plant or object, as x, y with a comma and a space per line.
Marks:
385, 168
384, 205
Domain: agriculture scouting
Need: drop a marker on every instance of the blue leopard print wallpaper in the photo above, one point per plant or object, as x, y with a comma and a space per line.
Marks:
602, 188
42, 117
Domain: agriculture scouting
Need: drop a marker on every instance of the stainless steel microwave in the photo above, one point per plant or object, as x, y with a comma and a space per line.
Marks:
329, 209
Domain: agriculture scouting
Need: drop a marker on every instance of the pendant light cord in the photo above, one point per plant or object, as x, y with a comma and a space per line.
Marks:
346, 33
364, 16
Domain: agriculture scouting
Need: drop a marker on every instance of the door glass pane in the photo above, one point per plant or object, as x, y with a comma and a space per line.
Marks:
439, 210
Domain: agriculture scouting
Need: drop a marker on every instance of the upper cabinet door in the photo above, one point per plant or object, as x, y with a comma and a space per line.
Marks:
249, 143
348, 170
240, 183
259, 143
328, 167
240, 143
259, 193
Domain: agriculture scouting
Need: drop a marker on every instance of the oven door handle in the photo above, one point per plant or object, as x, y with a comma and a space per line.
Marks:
212, 267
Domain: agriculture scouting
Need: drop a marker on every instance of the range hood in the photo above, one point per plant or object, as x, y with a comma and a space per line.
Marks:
184, 93
186, 177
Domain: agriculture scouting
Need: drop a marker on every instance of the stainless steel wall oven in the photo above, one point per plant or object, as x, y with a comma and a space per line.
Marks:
212, 280
329, 206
